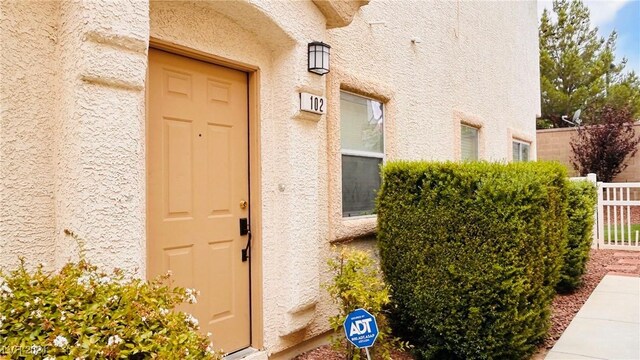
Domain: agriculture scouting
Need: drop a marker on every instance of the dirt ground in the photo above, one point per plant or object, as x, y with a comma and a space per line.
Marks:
564, 307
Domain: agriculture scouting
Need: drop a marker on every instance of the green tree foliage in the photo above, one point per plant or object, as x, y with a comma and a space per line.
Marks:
602, 149
578, 69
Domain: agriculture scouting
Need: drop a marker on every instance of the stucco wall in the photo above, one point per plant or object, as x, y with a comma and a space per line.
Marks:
496, 70
28, 79
553, 145
478, 58
72, 137
100, 176
473, 62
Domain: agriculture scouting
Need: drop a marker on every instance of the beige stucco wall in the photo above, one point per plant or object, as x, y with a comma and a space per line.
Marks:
472, 62
100, 176
72, 135
478, 58
554, 145
28, 79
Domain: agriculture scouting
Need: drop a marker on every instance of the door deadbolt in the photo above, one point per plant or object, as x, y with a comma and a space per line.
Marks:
243, 204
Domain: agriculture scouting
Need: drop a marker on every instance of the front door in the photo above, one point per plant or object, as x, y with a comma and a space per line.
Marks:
198, 188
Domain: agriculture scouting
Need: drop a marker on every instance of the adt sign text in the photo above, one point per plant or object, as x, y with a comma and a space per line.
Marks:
361, 328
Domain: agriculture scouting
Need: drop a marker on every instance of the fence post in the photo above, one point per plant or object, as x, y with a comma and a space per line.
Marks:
596, 220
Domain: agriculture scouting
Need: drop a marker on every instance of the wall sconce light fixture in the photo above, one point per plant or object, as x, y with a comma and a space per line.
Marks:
319, 57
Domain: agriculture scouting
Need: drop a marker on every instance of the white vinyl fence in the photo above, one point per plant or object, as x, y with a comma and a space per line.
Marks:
617, 215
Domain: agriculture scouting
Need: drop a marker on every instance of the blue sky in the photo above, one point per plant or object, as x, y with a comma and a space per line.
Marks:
620, 15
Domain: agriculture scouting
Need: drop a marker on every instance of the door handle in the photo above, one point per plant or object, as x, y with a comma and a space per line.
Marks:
245, 230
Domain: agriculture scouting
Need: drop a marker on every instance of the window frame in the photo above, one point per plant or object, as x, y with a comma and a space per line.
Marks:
477, 129
361, 153
520, 143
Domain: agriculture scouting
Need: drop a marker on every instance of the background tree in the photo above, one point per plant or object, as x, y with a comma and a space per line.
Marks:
602, 149
578, 68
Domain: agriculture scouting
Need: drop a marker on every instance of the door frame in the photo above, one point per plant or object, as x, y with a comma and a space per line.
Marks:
255, 195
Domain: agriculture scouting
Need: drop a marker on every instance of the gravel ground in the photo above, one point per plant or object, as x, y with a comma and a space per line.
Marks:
325, 353
564, 307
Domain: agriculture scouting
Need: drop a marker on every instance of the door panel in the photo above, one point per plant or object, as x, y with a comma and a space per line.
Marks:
219, 175
197, 151
178, 157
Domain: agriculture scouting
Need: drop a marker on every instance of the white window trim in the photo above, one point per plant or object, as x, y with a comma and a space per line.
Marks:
364, 153
382, 155
462, 118
518, 135
477, 129
514, 140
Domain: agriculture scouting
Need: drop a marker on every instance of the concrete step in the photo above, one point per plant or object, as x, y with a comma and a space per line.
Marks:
622, 267
247, 354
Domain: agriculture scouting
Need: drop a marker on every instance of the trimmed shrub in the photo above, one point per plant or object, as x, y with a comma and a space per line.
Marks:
472, 252
81, 313
582, 202
357, 283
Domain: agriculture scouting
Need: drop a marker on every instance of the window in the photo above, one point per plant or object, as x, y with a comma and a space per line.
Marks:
468, 143
362, 143
520, 151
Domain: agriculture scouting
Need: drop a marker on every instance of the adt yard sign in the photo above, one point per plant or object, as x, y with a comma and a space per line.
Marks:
361, 328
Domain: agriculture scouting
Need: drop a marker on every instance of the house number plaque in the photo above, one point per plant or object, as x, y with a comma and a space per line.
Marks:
313, 103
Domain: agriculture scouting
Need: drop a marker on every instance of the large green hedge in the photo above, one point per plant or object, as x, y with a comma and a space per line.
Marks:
472, 252
582, 202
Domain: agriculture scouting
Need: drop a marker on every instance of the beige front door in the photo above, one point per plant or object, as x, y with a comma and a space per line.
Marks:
197, 180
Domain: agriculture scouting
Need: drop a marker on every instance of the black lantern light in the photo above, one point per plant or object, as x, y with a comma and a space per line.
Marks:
319, 57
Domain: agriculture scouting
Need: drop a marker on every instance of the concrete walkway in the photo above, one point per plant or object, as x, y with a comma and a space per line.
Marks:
607, 326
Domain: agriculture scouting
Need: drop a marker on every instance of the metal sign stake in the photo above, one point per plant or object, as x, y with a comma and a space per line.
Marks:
368, 356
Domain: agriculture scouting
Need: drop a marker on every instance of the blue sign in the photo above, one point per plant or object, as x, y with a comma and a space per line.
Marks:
361, 328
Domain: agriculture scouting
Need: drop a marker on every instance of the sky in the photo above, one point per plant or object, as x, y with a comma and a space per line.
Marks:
620, 15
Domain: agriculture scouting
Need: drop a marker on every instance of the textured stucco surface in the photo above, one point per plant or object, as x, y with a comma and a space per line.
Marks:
339, 13
478, 58
28, 79
100, 178
81, 148
471, 62
73, 131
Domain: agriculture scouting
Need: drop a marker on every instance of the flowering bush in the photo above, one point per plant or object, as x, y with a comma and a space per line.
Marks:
358, 283
81, 313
